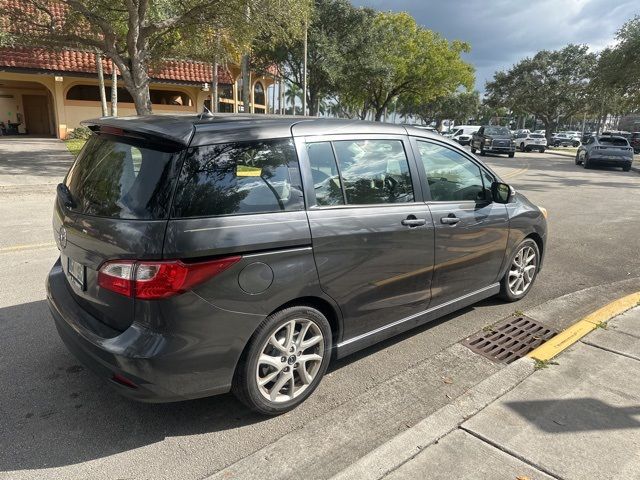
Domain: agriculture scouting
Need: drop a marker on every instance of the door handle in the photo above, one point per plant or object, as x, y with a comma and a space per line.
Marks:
411, 221
450, 220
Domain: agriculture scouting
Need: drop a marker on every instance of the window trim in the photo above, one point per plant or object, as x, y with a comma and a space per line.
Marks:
423, 174
307, 180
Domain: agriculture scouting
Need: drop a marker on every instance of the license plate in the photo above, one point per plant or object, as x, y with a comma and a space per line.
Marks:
76, 272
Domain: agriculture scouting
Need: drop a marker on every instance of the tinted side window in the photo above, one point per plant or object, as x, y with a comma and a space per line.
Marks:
239, 178
451, 176
324, 170
374, 171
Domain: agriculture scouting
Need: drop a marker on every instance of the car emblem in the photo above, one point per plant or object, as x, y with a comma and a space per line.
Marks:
62, 236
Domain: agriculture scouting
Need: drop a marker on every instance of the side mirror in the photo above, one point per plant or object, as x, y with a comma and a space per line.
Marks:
501, 192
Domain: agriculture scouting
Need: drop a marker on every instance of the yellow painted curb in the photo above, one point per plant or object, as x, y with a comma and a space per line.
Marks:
575, 332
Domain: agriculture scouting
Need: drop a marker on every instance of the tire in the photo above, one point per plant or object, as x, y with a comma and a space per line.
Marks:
578, 161
626, 168
473, 150
512, 154
586, 164
576, 144
542, 150
514, 271
282, 361
522, 147
482, 152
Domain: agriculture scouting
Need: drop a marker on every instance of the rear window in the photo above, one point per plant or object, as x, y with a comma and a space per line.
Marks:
239, 178
618, 142
536, 135
117, 179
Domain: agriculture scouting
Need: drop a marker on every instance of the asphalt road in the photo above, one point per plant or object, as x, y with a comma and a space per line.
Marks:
58, 420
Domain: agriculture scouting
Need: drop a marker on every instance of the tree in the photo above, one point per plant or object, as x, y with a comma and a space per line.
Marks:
460, 107
334, 34
292, 95
401, 60
138, 34
552, 85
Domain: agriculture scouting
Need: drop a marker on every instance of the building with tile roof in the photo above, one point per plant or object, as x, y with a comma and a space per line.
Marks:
49, 92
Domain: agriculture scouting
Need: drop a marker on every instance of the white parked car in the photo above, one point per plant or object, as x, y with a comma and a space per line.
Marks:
531, 141
463, 133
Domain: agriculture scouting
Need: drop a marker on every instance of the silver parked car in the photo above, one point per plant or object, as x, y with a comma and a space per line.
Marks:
606, 150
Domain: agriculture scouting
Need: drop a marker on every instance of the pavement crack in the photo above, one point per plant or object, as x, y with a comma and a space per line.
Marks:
503, 449
615, 352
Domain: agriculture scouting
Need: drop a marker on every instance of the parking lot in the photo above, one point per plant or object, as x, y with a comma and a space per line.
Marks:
58, 419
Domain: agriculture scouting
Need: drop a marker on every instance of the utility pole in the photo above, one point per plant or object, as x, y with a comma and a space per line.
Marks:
304, 70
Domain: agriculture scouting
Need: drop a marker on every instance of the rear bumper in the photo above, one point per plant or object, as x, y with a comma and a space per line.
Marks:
610, 161
164, 367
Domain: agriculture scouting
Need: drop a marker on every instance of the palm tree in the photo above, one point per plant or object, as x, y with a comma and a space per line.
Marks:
291, 96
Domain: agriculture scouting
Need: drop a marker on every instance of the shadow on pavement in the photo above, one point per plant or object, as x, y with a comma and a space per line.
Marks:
576, 415
54, 412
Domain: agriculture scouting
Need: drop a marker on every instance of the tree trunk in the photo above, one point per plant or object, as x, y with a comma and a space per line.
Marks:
114, 90
214, 85
281, 104
245, 83
379, 112
103, 95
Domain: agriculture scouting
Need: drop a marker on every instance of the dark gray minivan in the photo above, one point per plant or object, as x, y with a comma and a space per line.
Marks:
200, 255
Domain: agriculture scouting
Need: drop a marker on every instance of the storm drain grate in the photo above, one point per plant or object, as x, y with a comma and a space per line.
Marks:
509, 339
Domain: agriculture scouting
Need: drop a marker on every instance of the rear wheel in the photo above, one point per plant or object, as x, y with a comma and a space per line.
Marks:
284, 361
578, 161
522, 147
522, 271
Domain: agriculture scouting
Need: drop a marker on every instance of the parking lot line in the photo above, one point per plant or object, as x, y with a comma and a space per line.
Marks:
31, 246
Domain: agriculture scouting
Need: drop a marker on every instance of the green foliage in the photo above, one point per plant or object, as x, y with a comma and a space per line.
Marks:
401, 60
79, 133
460, 107
335, 33
552, 85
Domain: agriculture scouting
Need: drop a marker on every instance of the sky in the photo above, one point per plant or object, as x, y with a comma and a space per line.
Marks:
502, 32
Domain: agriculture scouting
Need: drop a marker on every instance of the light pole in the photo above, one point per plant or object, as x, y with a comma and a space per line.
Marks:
304, 71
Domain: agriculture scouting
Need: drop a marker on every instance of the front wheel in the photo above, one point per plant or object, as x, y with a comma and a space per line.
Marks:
284, 361
512, 154
578, 160
626, 168
542, 150
586, 163
522, 147
473, 150
522, 271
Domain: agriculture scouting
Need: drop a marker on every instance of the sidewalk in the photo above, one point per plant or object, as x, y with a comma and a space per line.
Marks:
576, 418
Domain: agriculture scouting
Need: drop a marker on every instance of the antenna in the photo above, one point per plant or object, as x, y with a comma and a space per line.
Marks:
205, 113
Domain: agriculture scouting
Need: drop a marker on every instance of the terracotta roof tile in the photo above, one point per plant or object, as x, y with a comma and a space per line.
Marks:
84, 62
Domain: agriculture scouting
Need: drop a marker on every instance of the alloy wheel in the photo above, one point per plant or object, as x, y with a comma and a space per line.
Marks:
522, 271
290, 360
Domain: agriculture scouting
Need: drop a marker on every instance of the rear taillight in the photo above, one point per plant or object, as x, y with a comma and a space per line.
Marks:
162, 279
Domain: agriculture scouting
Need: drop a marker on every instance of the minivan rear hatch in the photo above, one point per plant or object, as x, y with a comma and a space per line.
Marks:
113, 205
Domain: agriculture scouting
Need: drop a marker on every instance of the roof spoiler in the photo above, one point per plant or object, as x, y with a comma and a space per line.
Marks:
162, 130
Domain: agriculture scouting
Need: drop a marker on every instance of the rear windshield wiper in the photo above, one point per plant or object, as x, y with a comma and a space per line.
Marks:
64, 194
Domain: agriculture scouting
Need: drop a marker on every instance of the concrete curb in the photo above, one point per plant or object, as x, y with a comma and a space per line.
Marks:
582, 327
403, 447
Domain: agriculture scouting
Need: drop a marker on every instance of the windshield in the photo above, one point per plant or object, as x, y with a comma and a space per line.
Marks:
497, 131
113, 178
